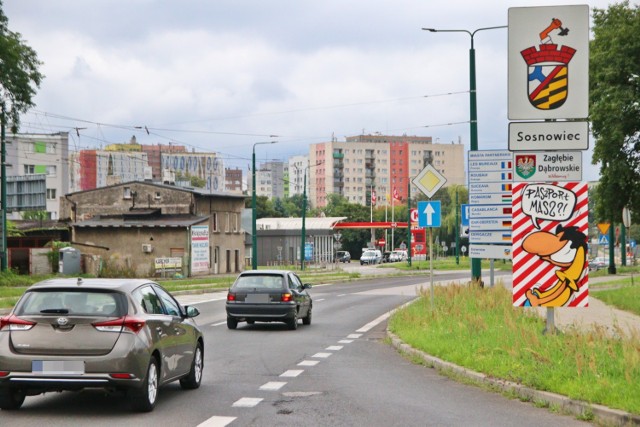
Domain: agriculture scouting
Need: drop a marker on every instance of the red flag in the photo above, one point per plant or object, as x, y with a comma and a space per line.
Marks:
395, 194
373, 197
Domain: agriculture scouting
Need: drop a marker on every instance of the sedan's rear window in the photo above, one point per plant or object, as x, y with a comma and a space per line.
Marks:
80, 303
259, 281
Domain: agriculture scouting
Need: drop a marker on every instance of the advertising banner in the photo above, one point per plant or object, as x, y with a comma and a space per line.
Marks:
550, 235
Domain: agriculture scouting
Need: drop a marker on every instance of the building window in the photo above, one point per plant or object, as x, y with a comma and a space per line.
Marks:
29, 169
51, 170
214, 221
226, 228
51, 193
126, 193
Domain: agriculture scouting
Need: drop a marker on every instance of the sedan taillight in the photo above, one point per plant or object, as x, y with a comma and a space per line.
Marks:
286, 298
13, 323
231, 297
133, 324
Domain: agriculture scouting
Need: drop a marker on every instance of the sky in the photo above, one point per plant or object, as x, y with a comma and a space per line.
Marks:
219, 76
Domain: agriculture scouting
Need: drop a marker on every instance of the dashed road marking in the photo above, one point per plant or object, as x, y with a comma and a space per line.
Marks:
247, 402
308, 363
354, 336
219, 323
273, 385
217, 422
345, 341
322, 355
292, 373
334, 347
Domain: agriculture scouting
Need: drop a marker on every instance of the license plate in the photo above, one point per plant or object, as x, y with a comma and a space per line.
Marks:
58, 367
257, 298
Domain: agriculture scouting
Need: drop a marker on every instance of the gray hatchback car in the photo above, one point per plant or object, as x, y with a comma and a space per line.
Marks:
268, 296
116, 334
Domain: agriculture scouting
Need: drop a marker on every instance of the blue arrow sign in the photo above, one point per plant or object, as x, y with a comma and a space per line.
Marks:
429, 214
465, 215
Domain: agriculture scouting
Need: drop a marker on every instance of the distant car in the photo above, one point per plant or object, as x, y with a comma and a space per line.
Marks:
116, 334
397, 256
343, 256
371, 256
268, 296
386, 256
598, 264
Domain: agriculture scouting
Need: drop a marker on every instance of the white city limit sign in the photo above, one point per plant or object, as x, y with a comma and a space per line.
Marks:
548, 136
548, 166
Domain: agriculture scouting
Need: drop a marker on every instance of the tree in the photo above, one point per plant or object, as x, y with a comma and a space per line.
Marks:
615, 109
19, 74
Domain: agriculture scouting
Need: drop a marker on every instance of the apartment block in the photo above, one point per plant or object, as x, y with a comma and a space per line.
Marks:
384, 163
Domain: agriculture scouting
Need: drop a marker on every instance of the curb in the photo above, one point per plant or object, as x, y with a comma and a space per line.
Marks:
577, 408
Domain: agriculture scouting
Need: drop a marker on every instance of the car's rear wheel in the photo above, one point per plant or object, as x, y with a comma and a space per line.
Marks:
293, 322
306, 320
11, 398
194, 378
232, 323
143, 399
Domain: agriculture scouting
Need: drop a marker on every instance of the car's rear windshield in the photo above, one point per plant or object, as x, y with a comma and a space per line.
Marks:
72, 302
259, 281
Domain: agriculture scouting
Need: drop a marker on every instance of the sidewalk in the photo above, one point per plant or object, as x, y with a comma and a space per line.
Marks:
598, 314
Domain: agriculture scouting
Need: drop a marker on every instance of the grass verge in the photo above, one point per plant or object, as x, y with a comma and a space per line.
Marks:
480, 329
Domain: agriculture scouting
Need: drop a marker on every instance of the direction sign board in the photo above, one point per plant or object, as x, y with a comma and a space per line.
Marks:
548, 62
429, 213
429, 180
494, 236
548, 166
490, 251
490, 224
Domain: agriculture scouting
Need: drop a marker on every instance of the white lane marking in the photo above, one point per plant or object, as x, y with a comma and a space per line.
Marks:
308, 363
247, 402
194, 301
217, 422
292, 373
334, 348
354, 336
322, 355
345, 341
273, 385
342, 295
219, 323
317, 300
371, 325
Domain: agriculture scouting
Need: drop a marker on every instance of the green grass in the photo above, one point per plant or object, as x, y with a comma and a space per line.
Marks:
481, 330
625, 297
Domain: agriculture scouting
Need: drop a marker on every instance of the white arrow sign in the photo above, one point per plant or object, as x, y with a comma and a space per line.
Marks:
429, 211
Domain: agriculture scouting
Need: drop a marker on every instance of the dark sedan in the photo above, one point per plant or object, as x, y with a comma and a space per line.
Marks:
268, 296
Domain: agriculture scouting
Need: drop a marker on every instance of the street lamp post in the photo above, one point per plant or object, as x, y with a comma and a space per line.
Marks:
254, 236
476, 263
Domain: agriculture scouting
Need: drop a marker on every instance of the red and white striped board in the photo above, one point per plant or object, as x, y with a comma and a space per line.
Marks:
542, 207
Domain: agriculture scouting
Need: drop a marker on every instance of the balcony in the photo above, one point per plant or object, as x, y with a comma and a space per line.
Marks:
338, 155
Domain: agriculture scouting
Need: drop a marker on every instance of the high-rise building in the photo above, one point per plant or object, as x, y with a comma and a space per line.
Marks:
45, 155
233, 180
384, 163
297, 165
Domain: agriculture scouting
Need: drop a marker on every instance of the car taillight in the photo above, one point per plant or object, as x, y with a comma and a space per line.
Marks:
122, 376
118, 325
13, 323
231, 297
4, 374
285, 298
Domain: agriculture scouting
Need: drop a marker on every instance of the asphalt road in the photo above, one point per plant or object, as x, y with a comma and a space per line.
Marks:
336, 372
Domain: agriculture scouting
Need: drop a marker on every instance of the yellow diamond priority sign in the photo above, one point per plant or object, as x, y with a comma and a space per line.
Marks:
429, 180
